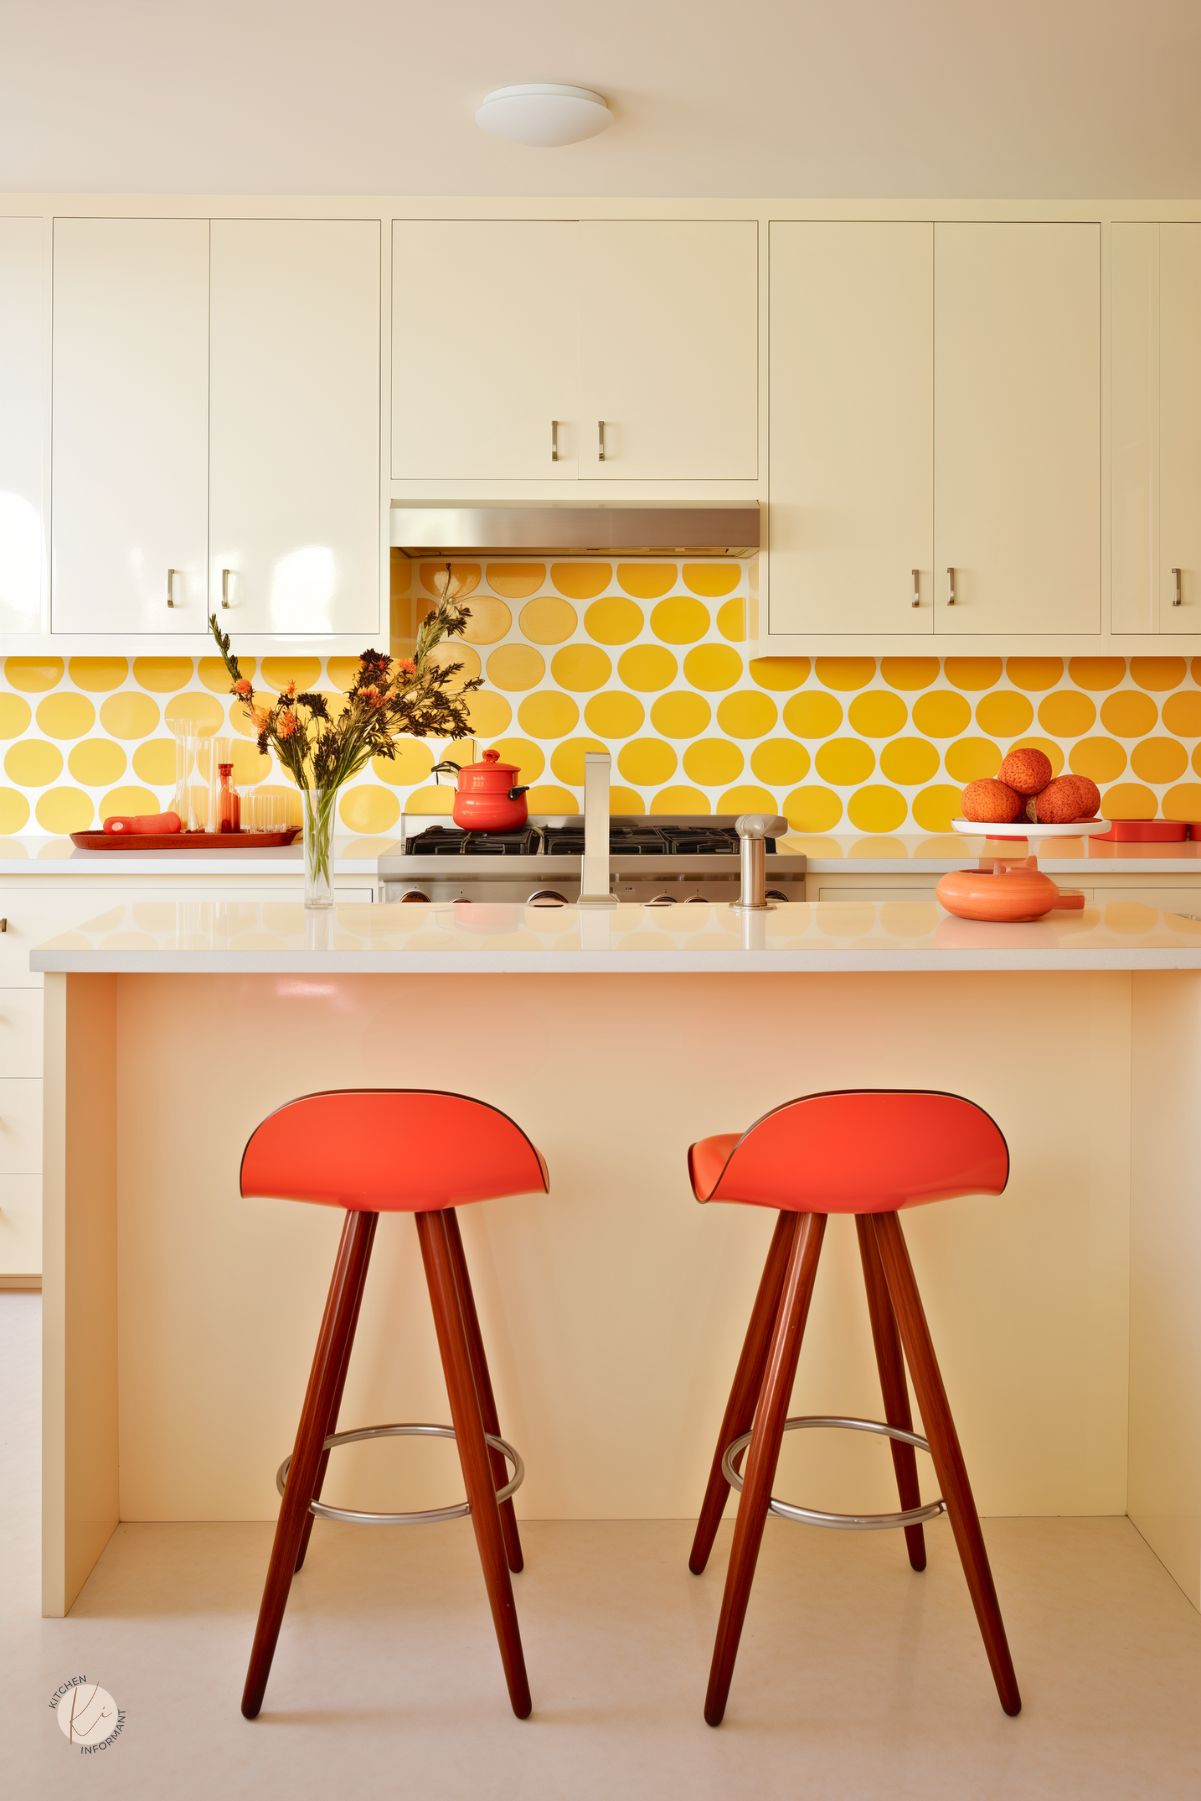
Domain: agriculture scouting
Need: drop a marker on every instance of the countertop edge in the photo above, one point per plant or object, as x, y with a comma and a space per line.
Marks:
514, 962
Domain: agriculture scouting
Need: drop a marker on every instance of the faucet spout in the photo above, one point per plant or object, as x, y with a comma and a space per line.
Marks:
754, 829
595, 889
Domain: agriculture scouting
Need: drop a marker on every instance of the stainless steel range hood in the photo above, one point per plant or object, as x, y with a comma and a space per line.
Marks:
574, 528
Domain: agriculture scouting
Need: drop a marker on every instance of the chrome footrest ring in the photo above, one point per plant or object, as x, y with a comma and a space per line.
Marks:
460, 1509
846, 1522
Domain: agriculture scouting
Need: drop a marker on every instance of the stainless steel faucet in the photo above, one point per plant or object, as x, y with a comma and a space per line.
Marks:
595, 885
754, 829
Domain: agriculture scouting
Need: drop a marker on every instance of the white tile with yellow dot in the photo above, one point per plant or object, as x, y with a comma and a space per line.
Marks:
647, 660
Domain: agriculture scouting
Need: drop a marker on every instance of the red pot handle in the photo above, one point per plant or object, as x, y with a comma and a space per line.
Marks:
1070, 898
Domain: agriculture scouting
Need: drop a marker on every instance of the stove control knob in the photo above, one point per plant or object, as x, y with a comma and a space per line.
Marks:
413, 894
546, 897
773, 894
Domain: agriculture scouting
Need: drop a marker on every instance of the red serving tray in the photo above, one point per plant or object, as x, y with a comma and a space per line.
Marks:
1144, 831
182, 840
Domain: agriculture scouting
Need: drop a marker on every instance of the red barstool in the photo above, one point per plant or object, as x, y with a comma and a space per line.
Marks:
867, 1152
396, 1150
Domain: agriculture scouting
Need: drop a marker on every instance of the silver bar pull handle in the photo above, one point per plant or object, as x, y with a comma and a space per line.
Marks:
1177, 592
554, 440
225, 576
950, 587
600, 440
916, 599
171, 575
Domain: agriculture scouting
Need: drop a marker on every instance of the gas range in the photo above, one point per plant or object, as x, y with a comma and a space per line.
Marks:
654, 860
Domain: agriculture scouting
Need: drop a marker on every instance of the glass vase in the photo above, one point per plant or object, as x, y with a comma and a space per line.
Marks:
318, 806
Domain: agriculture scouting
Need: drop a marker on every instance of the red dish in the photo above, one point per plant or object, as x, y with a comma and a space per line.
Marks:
1144, 831
138, 841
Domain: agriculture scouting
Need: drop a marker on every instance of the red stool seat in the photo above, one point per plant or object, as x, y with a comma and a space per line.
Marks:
867, 1150
390, 1150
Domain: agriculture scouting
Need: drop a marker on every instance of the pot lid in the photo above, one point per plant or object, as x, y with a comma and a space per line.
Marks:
490, 761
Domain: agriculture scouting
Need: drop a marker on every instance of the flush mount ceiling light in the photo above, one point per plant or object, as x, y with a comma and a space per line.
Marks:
544, 113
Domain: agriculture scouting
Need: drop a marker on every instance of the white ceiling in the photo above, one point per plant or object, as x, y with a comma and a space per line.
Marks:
1001, 98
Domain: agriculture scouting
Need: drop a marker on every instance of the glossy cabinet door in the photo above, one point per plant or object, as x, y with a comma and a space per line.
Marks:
669, 349
130, 426
24, 420
851, 469
294, 469
1017, 428
1177, 584
485, 349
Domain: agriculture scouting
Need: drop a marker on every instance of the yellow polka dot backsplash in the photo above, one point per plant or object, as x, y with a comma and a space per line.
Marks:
647, 660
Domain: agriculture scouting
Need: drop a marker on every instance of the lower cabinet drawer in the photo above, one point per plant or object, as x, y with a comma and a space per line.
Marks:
20, 1032
33, 914
1169, 899
875, 894
21, 1225
20, 1127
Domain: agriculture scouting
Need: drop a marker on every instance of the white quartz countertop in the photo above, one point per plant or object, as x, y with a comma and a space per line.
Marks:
840, 853
279, 937
53, 856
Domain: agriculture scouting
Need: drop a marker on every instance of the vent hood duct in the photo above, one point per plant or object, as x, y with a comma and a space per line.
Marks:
451, 528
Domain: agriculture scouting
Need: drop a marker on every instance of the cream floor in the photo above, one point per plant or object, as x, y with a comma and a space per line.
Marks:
857, 1681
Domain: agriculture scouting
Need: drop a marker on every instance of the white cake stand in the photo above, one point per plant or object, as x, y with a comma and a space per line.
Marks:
1021, 829
1023, 832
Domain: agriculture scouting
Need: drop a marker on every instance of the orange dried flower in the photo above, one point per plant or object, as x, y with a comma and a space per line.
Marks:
373, 697
407, 666
287, 724
243, 687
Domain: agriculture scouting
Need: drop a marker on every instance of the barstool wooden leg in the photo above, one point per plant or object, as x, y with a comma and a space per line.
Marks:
331, 1424
946, 1452
327, 1370
763, 1453
893, 1386
483, 1387
473, 1451
748, 1380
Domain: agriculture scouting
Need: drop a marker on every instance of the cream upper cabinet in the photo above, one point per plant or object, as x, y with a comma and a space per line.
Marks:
24, 385
485, 349
1155, 434
1177, 589
130, 426
669, 352
294, 434
551, 350
851, 362
1017, 428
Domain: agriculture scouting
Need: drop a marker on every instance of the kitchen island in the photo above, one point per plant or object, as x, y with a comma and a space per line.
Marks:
180, 1319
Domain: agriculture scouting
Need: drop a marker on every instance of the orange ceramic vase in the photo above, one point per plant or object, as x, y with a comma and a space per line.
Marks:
1005, 893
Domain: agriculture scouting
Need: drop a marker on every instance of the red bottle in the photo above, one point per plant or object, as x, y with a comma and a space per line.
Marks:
229, 805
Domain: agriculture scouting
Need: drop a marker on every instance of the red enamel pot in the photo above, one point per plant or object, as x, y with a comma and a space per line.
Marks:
487, 798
